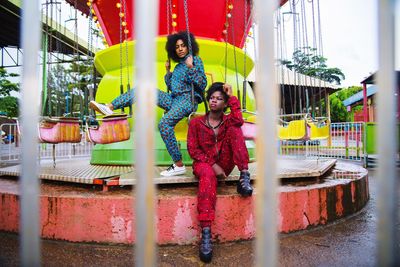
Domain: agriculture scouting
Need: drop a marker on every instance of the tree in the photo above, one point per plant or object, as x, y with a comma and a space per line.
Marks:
8, 104
307, 62
339, 112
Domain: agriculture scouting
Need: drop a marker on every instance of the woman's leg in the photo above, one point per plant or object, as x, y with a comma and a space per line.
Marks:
180, 108
164, 100
207, 193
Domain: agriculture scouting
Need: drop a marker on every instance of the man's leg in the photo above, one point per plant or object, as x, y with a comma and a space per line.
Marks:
233, 151
207, 193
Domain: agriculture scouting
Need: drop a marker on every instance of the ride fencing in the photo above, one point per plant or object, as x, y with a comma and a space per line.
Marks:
346, 142
10, 152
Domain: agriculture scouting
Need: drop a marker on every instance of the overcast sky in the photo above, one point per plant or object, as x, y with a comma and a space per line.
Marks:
349, 32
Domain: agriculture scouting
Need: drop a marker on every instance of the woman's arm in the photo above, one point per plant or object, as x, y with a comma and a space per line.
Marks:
196, 74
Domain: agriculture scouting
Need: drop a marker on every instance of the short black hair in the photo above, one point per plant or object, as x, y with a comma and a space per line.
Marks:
171, 44
217, 86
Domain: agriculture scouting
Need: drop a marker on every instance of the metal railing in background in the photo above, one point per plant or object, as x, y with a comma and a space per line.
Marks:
10, 149
346, 142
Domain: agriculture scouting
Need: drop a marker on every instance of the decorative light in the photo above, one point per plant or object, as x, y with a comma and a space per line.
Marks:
121, 14
126, 31
123, 23
174, 16
118, 5
225, 32
88, 3
92, 10
174, 24
230, 6
226, 24
95, 18
229, 15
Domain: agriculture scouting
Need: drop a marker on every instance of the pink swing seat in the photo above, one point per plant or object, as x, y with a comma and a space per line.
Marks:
113, 128
59, 130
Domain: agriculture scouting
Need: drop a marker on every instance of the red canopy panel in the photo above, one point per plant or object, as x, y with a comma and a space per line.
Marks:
212, 19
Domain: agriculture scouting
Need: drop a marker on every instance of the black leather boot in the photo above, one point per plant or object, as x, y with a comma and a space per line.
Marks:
243, 186
205, 250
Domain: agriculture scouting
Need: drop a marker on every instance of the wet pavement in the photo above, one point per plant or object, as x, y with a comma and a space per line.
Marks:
347, 242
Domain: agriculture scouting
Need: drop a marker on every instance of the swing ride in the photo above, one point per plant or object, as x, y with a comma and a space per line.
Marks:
221, 28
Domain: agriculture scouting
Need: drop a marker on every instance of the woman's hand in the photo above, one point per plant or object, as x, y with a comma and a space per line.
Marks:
227, 89
189, 62
168, 66
219, 172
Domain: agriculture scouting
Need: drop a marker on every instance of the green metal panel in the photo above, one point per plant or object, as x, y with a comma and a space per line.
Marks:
371, 137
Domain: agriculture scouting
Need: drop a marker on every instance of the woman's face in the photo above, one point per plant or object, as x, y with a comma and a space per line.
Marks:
217, 101
181, 49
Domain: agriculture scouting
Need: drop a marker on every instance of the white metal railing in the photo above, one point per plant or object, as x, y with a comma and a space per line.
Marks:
346, 141
10, 149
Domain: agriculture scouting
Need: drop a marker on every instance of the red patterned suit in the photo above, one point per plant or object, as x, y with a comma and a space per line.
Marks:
227, 149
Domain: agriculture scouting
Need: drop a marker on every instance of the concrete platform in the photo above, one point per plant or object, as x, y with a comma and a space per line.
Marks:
81, 171
74, 213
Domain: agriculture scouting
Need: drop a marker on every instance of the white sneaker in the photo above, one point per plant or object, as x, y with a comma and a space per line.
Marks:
173, 170
103, 109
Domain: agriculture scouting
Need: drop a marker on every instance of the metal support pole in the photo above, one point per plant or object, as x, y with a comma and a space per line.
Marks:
146, 27
387, 138
29, 222
266, 149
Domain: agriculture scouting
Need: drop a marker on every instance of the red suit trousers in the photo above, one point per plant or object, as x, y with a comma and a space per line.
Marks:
233, 152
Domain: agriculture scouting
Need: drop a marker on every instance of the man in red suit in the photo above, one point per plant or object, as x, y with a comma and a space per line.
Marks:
216, 144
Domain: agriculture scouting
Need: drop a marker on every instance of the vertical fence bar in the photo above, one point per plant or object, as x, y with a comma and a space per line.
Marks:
145, 54
387, 138
29, 221
267, 105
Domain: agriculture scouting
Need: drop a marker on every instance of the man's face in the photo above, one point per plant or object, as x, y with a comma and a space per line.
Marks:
217, 101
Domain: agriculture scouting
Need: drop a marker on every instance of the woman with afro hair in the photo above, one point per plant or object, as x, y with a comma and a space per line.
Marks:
177, 102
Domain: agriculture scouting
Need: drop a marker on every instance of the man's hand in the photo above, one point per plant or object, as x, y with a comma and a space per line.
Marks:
219, 172
227, 89
189, 62
168, 66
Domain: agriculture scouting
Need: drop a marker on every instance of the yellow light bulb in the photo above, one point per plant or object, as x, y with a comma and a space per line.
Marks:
88, 4
126, 31
174, 24
118, 5
174, 16
230, 6
121, 14
124, 23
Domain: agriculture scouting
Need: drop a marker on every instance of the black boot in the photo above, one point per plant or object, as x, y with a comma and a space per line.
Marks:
205, 250
243, 186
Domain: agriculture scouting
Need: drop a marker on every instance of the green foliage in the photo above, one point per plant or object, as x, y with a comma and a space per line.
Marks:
6, 87
68, 84
307, 62
339, 112
9, 105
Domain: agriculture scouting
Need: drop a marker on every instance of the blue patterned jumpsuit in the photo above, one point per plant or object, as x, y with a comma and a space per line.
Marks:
177, 103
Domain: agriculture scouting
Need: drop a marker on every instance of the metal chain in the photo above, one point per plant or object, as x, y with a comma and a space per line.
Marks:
120, 48
187, 26
168, 16
126, 47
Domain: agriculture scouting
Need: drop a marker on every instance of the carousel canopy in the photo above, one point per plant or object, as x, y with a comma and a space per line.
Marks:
212, 19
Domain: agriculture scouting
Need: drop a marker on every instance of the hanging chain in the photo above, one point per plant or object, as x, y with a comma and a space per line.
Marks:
126, 45
120, 47
169, 8
187, 25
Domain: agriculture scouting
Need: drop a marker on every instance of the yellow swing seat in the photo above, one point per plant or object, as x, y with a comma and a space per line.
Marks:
293, 130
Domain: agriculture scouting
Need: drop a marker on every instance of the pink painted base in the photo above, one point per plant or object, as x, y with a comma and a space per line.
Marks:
80, 214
